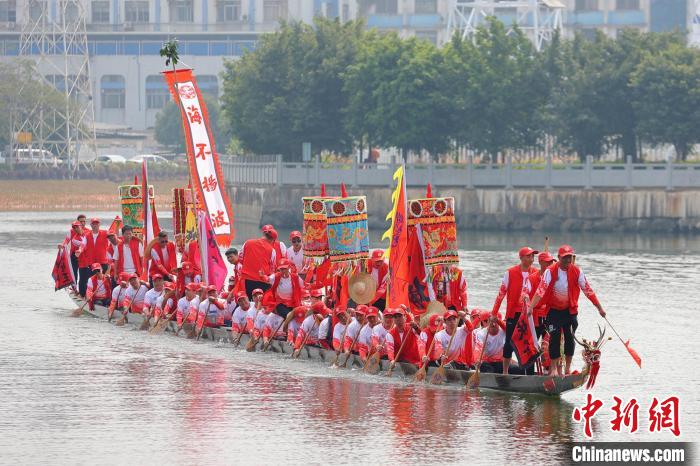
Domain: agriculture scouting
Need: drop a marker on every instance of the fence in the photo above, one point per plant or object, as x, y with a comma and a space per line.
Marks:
666, 175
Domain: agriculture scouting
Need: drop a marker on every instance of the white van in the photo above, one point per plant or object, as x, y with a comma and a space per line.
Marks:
35, 157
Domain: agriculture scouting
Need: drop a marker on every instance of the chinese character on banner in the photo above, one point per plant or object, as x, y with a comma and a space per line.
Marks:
209, 183
201, 152
627, 415
194, 115
217, 219
664, 415
586, 414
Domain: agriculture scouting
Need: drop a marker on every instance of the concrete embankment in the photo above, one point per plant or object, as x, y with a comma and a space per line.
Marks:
497, 209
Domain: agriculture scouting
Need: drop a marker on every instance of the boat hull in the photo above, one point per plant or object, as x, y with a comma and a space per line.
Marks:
526, 384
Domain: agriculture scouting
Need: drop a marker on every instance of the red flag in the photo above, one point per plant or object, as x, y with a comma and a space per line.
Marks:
150, 219
323, 190
429, 191
62, 272
634, 354
213, 268
419, 291
343, 191
399, 276
524, 342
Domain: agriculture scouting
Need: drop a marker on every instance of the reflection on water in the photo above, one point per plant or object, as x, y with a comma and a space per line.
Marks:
85, 391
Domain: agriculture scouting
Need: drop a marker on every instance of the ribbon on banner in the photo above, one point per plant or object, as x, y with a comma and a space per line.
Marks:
203, 160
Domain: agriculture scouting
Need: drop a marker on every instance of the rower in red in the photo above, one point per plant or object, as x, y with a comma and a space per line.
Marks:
395, 339
559, 290
455, 343
515, 287
99, 288
539, 314
286, 289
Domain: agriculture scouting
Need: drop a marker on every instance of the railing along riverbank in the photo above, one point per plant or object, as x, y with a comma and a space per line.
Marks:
274, 171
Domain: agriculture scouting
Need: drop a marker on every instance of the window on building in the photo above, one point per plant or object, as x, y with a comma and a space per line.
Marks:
36, 9
209, 85
113, 91
627, 5
274, 10
228, 10
386, 7
182, 11
136, 11
8, 11
157, 94
426, 6
586, 5
100, 11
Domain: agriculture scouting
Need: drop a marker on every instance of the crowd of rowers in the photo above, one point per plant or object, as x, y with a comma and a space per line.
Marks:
273, 292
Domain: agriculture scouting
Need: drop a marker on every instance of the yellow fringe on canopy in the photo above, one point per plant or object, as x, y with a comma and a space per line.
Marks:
398, 176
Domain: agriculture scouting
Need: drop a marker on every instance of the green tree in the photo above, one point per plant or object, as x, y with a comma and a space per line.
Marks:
290, 89
667, 89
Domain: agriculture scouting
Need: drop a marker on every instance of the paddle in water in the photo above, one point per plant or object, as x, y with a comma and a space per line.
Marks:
396, 358
297, 352
77, 312
349, 352
439, 376
272, 336
474, 379
422, 372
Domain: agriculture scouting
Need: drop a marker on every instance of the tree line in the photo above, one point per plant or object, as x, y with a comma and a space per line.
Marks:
341, 87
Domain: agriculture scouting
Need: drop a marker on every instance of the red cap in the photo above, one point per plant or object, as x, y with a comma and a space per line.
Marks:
449, 314
241, 294
211, 288
373, 312
340, 310
319, 308
361, 309
94, 220
484, 314
124, 276
192, 286
398, 312
270, 307
273, 233
300, 312
96, 266
294, 234
545, 257
169, 285
257, 291
133, 275
283, 264
267, 228
76, 224
377, 255
305, 294
316, 293
156, 276
566, 250
526, 251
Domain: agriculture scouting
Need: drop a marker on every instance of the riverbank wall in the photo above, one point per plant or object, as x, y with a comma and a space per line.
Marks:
639, 211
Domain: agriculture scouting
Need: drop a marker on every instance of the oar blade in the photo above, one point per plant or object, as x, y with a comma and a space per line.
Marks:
634, 354
438, 376
474, 380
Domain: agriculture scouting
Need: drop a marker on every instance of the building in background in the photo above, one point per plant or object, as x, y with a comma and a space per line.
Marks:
125, 36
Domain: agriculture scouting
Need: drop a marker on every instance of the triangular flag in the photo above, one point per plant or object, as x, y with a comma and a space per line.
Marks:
429, 191
634, 354
343, 191
323, 190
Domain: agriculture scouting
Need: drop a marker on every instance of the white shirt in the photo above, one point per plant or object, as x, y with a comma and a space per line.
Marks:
128, 260
353, 330
272, 322
323, 327
260, 320
136, 297
526, 280
252, 312
156, 257
380, 332
494, 343
184, 306
238, 316
457, 342
365, 337
210, 309
296, 258
284, 287
100, 292
338, 331
309, 325
160, 305
118, 295
151, 296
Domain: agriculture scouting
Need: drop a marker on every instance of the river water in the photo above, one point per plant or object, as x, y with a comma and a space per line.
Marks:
83, 391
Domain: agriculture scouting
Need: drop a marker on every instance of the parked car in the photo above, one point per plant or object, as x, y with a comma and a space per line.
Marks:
109, 159
35, 157
152, 159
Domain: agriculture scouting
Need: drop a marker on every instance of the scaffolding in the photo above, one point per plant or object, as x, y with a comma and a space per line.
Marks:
538, 19
54, 38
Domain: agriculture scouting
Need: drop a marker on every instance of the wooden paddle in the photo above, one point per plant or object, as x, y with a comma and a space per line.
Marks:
396, 357
161, 325
166, 297
110, 313
297, 352
372, 363
122, 320
78, 311
342, 339
147, 318
349, 353
272, 336
204, 322
423, 371
474, 380
439, 375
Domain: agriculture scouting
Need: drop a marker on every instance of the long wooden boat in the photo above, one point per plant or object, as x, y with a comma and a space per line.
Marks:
530, 384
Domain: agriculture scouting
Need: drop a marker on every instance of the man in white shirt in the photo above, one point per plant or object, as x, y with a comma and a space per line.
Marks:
187, 305
295, 254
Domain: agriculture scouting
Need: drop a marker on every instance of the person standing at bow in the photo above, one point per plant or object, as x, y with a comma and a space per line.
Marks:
233, 259
163, 257
451, 288
76, 242
295, 255
559, 289
515, 287
95, 250
539, 314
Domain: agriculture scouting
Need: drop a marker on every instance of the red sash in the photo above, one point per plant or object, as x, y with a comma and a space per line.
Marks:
410, 349
256, 257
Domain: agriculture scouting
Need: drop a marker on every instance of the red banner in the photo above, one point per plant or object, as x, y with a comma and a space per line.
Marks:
203, 159
524, 341
62, 272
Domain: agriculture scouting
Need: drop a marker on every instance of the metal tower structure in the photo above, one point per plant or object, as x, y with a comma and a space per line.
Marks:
538, 19
694, 34
54, 37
